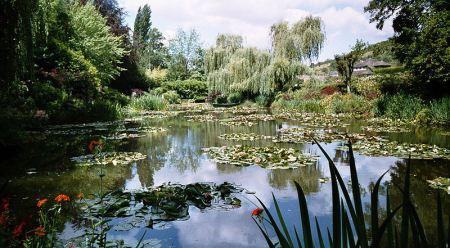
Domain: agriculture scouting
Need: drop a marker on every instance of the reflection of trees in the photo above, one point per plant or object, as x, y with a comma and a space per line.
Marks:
423, 196
307, 177
341, 156
228, 168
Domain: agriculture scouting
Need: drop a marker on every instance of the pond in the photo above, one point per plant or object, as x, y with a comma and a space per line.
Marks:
174, 153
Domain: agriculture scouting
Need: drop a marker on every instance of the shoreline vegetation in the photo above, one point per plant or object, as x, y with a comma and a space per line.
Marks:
73, 66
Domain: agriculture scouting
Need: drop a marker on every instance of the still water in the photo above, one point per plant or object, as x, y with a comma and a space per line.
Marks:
176, 156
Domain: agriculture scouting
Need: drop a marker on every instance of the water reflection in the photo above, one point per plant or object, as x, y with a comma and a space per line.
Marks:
176, 157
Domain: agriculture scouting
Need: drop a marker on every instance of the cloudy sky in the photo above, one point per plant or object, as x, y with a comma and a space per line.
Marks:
345, 20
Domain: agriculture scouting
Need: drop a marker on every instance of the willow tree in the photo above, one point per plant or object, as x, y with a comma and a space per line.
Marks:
232, 67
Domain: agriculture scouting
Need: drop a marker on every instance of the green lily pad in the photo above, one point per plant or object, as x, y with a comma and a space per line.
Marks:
270, 157
114, 158
201, 118
243, 136
442, 183
386, 125
237, 123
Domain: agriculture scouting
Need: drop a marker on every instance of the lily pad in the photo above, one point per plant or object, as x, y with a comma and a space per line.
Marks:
243, 136
201, 118
269, 157
114, 158
442, 183
237, 123
386, 125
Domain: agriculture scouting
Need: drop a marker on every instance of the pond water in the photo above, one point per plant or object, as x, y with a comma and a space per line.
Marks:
176, 156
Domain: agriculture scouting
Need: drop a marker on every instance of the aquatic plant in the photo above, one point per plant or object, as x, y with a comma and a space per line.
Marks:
108, 158
349, 227
269, 157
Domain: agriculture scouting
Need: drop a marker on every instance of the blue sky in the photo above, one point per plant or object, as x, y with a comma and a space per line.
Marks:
344, 20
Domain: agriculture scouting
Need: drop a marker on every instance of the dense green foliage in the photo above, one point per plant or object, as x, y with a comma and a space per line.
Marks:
146, 102
148, 44
420, 41
232, 68
187, 89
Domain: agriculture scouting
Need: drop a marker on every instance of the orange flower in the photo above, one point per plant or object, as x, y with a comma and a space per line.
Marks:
257, 211
94, 144
18, 230
61, 198
41, 202
39, 231
80, 196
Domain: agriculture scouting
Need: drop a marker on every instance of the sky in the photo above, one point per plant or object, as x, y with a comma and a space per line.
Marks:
344, 20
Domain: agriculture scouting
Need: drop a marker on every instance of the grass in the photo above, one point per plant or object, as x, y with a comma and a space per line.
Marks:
146, 102
349, 228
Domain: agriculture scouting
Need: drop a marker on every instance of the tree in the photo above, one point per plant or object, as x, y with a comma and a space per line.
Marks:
185, 52
148, 43
345, 63
421, 39
231, 67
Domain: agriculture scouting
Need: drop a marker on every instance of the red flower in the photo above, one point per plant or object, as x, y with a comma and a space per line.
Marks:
5, 205
60, 198
39, 231
94, 144
41, 202
18, 230
257, 211
80, 196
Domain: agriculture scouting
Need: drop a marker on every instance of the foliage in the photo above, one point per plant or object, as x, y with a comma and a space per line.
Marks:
186, 55
440, 110
263, 101
420, 41
367, 87
347, 103
94, 39
171, 97
187, 89
235, 97
157, 75
399, 106
148, 45
147, 102
345, 63
232, 68
349, 224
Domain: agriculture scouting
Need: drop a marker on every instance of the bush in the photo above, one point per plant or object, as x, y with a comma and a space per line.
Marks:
157, 75
399, 106
390, 70
172, 97
367, 87
221, 99
158, 91
263, 101
348, 103
391, 84
235, 97
440, 110
423, 117
148, 102
187, 89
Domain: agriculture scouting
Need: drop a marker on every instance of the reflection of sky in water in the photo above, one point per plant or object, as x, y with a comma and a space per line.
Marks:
177, 157
184, 163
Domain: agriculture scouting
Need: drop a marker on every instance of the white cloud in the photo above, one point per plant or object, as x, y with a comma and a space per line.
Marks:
344, 20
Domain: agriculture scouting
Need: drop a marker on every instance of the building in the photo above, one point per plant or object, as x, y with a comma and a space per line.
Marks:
367, 66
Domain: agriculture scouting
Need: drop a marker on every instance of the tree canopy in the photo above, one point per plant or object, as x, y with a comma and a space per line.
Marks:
421, 39
232, 67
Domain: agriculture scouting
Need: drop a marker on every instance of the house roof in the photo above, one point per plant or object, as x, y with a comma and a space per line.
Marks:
371, 63
364, 72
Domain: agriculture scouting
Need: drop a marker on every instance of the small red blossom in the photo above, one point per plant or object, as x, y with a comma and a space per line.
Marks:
18, 230
80, 196
61, 198
5, 205
257, 211
41, 202
39, 231
94, 144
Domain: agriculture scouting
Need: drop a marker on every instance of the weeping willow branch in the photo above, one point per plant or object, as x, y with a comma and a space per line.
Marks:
233, 68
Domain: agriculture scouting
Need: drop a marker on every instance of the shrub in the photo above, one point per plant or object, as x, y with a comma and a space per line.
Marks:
172, 97
440, 110
187, 89
423, 117
399, 106
148, 102
263, 101
348, 103
158, 91
367, 87
221, 99
235, 97
391, 84
157, 75
390, 70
